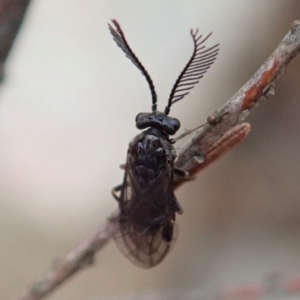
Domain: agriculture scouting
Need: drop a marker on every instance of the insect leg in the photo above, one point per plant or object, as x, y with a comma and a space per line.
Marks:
122, 166
115, 190
178, 207
182, 173
167, 232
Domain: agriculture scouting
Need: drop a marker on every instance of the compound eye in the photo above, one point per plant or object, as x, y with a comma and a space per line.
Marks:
138, 117
142, 121
175, 124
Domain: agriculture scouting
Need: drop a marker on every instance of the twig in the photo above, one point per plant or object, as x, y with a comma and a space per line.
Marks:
222, 133
259, 87
11, 16
226, 142
78, 259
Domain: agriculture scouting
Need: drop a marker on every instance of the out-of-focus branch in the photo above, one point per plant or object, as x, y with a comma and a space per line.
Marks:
222, 132
78, 259
11, 16
274, 286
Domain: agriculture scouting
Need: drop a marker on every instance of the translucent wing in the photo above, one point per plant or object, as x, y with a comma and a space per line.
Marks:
144, 249
147, 229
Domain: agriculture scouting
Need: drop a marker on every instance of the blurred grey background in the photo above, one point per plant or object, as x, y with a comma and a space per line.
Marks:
67, 111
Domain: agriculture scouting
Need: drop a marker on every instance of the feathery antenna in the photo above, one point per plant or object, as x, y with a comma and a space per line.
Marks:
199, 63
121, 41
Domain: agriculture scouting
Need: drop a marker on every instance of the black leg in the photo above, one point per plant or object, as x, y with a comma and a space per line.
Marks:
178, 207
122, 166
182, 173
115, 190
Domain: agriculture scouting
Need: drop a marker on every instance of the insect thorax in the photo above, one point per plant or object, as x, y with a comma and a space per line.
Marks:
150, 154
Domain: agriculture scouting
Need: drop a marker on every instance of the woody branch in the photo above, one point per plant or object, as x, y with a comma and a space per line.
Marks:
222, 132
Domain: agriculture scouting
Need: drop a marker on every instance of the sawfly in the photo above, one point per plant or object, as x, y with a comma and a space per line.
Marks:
146, 227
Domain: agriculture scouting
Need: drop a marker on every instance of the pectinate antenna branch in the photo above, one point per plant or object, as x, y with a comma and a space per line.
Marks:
121, 41
193, 68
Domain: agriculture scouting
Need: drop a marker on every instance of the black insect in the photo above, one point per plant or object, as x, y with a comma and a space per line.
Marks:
148, 206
